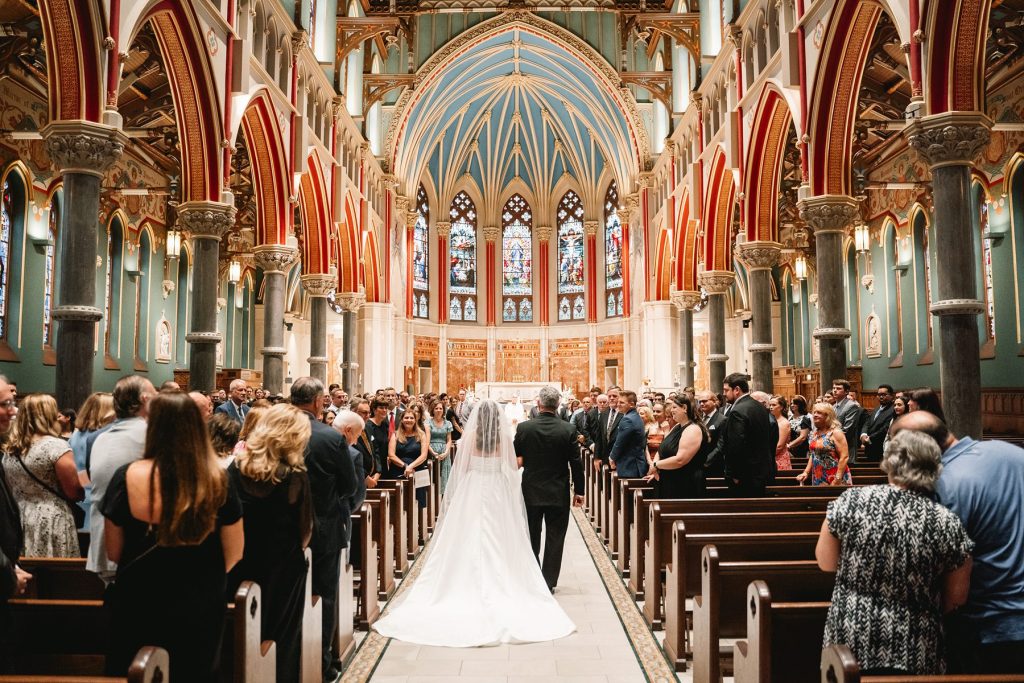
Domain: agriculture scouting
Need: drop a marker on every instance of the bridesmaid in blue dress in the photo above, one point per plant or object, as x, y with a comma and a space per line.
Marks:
441, 441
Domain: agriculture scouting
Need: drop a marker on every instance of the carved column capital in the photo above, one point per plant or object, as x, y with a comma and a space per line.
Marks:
83, 147
444, 228
685, 300
716, 281
410, 219
389, 181
491, 232
759, 255
350, 301
828, 213
590, 228
544, 232
950, 139
630, 207
274, 258
206, 220
401, 204
318, 284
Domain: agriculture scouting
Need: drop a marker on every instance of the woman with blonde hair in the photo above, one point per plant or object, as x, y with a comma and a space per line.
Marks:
174, 528
252, 418
408, 451
270, 476
43, 478
829, 454
96, 413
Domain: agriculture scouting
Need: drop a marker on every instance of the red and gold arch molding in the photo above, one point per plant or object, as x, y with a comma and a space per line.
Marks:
764, 167
73, 32
316, 218
349, 248
718, 214
956, 54
837, 83
686, 248
269, 170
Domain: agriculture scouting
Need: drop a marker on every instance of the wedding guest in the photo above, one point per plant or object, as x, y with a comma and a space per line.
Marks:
235, 406
827, 465
927, 400
269, 474
441, 442
653, 430
848, 413
364, 444
628, 451
173, 521
777, 406
876, 426
678, 468
97, 412
377, 429
169, 385
66, 418
408, 451
223, 437
800, 427
745, 444
327, 416
13, 579
202, 402
901, 561
452, 415
899, 409
41, 472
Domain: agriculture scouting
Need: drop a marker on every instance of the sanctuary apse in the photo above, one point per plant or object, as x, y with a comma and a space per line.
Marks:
590, 192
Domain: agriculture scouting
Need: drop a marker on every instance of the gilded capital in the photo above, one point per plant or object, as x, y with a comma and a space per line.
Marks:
544, 232
274, 258
410, 219
716, 281
444, 228
491, 232
685, 300
828, 213
83, 147
350, 301
590, 228
206, 220
950, 139
318, 284
759, 255
401, 204
630, 206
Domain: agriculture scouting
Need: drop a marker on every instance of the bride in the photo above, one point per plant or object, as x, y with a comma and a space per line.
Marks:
480, 584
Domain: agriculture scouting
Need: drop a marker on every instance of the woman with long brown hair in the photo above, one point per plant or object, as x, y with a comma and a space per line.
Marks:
41, 473
174, 528
408, 451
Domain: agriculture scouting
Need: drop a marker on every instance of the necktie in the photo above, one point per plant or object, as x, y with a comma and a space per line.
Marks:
611, 421
391, 424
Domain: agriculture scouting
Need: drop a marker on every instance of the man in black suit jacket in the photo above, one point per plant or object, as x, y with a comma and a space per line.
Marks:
745, 440
713, 418
607, 426
333, 484
547, 451
876, 426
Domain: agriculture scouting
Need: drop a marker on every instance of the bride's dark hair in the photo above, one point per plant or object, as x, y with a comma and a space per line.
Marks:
488, 426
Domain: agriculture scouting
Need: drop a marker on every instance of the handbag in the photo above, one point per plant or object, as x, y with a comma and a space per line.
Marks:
76, 511
421, 478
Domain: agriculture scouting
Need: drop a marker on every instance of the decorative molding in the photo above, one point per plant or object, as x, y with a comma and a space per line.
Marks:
658, 83
759, 255
206, 220
762, 348
274, 258
350, 301
828, 213
631, 207
80, 313
319, 285
544, 232
717, 357
410, 219
83, 146
203, 337
831, 333
444, 228
950, 139
957, 307
491, 232
168, 287
375, 86
590, 228
716, 281
685, 300
273, 351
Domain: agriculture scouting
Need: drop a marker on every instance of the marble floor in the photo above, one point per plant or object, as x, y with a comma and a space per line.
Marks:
599, 652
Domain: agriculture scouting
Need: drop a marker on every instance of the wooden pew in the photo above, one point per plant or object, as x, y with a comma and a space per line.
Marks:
780, 638
720, 609
683, 573
616, 502
311, 659
367, 607
838, 665
255, 659
57, 637
344, 635
396, 508
149, 666
623, 524
61, 577
384, 538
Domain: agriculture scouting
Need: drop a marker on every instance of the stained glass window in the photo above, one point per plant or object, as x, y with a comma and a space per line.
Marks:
987, 282
421, 257
612, 253
517, 260
570, 257
49, 272
6, 213
462, 257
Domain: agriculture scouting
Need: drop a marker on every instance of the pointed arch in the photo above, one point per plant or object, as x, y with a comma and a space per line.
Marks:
764, 166
955, 77
349, 249
371, 268
316, 218
686, 248
269, 169
718, 214
73, 34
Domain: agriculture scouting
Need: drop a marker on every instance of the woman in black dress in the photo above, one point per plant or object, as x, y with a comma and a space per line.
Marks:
174, 527
678, 470
407, 452
270, 475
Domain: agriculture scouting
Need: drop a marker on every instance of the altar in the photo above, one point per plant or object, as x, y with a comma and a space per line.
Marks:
506, 391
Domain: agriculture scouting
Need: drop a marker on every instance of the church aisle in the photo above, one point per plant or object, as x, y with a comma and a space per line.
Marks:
599, 651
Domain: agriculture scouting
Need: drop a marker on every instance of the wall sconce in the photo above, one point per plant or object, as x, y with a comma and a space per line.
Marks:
800, 266
234, 272
173, 243
862, 238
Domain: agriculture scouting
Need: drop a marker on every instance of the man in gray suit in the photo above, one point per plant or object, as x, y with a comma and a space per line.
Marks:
848, 412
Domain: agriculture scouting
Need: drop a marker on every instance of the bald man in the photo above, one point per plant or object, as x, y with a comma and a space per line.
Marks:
202, 402
235, 407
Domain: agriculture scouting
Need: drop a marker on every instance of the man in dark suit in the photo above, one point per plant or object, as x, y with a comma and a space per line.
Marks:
713, 419
607, 425
628, 452
765, 399
235, 407
332, 483
744, 443
395, 410
546, 449
848, 412
872, 434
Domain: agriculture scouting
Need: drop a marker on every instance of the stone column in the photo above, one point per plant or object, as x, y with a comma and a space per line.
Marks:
492, 234
590, 270
829, 216
350, 303
444, 230
205, 223
716, 283
318, 286
685, 302
544, 233
273, 260
82, 152
950, 143
760, 258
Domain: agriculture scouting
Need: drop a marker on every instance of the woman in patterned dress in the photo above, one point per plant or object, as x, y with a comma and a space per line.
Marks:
901, 561
777, 406
441, 441
827, 465
43, 477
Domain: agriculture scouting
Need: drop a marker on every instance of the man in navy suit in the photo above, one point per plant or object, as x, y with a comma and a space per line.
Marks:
629, 450
235, 406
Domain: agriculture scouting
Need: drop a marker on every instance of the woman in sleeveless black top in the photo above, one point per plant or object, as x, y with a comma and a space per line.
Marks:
680, 473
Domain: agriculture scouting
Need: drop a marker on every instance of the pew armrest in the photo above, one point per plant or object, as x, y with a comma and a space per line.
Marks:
151, 665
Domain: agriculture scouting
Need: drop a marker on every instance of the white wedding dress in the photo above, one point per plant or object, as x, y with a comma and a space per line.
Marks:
480, 584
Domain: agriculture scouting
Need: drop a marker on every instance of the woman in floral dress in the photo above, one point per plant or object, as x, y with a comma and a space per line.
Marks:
827, 464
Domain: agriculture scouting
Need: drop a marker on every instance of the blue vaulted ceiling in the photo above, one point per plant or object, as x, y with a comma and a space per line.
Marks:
516, 101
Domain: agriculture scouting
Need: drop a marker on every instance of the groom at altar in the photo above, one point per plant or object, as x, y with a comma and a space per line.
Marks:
547, 451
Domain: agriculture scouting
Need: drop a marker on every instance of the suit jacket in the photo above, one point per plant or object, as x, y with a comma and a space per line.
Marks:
237, 413
715, 465
605, 437
745, 441
332, 483
876, 427
379, 441
11, 539
367, 455
549, 451
848, 413
629, 450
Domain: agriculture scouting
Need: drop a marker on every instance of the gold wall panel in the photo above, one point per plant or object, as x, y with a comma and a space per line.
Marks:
518, 361
467, 364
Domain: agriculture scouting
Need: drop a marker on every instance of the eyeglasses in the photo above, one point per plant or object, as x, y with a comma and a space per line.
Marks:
8, 404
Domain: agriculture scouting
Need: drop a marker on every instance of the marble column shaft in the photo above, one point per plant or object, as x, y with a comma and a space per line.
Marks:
685, 302
716, 283
318, 286
273, 260
950, 143
206, 223
829, 216
350, 303
82, 152
759, 258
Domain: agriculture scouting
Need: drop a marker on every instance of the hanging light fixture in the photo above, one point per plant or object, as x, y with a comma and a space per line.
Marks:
862, 238
800, 266
173, 243
234, 271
